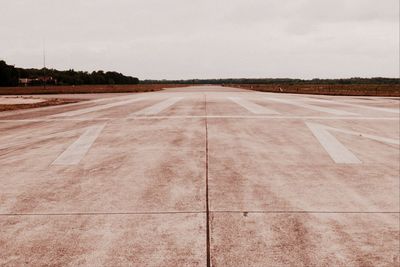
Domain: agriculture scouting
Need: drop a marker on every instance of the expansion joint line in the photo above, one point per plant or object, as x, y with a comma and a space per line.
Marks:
207, 197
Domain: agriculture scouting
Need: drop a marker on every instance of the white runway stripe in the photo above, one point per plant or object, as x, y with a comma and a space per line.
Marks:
157, 108
336, 150
97, 108
252, 107
28, 138
312, 107
389, 110
75, 152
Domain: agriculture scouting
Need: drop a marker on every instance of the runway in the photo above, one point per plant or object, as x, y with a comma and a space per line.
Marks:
198, 176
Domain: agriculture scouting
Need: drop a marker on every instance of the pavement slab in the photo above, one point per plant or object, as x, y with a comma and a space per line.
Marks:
319, 239
103, 240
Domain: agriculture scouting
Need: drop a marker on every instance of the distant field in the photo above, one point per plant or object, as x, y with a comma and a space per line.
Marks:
321, 89
338, 89
85, 89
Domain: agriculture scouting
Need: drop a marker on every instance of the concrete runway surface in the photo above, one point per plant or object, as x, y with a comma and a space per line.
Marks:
201, 176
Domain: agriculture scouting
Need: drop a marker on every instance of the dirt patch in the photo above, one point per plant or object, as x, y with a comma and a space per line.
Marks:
26, 103
17, 100
388, 90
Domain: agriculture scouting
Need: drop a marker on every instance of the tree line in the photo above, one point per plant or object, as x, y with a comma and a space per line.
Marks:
279, 81
10, 76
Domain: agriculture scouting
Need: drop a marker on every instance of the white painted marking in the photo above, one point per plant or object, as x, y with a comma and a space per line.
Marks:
75, 152
312, 107
157, 108
97, 108
336, 150
389, 110
252, 107
27, 139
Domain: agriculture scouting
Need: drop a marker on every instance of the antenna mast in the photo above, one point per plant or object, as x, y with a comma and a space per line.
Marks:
44, 64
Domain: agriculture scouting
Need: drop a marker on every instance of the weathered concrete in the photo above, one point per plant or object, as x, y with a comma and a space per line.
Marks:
124, 180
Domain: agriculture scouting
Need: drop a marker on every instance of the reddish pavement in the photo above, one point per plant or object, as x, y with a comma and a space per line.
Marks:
202, 176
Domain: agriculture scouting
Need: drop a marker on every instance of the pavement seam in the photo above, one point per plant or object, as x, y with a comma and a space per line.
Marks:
101, 213
305, 212
207, 196
194, 212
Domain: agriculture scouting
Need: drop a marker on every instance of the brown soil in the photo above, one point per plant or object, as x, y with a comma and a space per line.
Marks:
327, 89
49, 102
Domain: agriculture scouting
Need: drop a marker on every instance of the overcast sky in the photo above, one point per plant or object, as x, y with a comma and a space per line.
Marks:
175, 39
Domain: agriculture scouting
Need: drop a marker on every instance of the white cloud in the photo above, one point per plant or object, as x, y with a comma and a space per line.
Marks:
208, 38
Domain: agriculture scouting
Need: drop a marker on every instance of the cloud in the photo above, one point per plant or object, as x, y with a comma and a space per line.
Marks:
209, 38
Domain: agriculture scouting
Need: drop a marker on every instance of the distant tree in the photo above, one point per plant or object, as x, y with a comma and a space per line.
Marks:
8, 75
